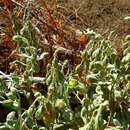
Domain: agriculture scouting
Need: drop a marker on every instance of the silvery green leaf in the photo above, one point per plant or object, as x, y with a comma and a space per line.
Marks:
116, 122
110, 66
98, 90
22, 41
98, 101
81, 88
96, 65
67, 115
127, 18
10, 116
92, 77
60, 127
117, 94
126, 58
127, 77
96, 53
127, 50
4, 127
42, 56
127, 38
42, 128
112, 35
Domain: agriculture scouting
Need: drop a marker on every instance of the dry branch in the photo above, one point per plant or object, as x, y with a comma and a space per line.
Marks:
5, 77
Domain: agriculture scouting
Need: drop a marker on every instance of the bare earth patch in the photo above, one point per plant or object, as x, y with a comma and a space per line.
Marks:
100, 15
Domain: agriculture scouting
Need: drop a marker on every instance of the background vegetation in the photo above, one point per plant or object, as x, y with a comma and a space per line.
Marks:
56, 74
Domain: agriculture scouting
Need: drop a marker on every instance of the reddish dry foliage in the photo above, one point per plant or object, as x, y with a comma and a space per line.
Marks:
6, 33
53, 30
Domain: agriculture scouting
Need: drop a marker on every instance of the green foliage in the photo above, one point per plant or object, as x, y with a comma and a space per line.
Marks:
22, 41
94, 96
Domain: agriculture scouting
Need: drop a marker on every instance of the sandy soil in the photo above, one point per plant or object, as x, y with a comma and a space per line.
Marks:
100, 15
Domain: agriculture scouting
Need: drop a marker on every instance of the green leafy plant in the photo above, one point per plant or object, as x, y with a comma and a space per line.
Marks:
93, 95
